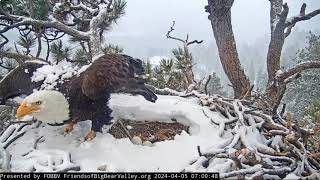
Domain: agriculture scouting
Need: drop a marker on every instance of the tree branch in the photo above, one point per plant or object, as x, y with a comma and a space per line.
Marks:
297, 69
170, 31
5, 67
195, 41
38, 36
6, 40
206, 85
81, 6
21, 20
302, 17
185, 42
20, 58
291, 22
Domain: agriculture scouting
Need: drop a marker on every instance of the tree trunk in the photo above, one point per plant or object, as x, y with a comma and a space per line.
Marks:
220, 17
277, 26
278, 16
274, 95
95, 43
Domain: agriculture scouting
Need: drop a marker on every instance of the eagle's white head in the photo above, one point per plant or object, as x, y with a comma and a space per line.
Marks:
47, 106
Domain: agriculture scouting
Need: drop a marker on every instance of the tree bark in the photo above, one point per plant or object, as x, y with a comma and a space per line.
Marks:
20, 58
220, 17
280, 28
277, 26
39, 44
95, 43
276, 91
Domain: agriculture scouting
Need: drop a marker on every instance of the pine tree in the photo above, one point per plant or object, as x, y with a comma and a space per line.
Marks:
184, 62
27, 42
305, 90
311, 120
84, 21
80, 58
36, 9
112, 49
166, 75
59, 52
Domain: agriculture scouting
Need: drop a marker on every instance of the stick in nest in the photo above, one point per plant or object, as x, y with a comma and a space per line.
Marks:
125, 129
19, 122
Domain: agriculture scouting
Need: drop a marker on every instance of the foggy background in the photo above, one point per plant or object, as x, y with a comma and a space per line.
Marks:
147, 21
141, 32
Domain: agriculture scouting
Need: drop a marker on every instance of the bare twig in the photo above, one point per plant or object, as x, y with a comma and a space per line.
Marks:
248, 92
39, 139
4, 42
19, 122
206, 85
283, 110
125, 129
185, 42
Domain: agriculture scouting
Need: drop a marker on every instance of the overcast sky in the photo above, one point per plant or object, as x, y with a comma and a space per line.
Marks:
250, 18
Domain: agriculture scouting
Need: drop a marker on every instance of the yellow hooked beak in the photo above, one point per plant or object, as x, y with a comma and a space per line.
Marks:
24, 109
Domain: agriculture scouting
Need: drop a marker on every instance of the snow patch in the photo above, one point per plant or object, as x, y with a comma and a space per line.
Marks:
279, 72
51, 74
155, 60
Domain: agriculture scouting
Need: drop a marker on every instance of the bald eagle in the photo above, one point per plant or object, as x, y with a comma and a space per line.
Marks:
86, 97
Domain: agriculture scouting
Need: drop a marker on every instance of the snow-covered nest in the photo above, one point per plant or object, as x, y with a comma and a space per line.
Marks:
58, 151
246, 144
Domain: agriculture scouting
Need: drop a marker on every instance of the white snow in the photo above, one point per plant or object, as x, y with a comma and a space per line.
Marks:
292, 176
51, 74
121, 154
36, 61
155, 60
82, 69
18, 99
279, 72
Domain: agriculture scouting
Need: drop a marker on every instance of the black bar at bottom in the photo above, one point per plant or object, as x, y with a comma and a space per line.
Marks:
102, 176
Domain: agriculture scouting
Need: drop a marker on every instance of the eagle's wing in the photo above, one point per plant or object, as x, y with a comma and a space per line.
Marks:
105, 75
114, 74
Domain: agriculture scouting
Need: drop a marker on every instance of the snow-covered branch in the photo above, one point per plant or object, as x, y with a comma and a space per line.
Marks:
302, 16
81, 6
298, 69
23, 21
291, 22
83, 20
20, 58
276, 152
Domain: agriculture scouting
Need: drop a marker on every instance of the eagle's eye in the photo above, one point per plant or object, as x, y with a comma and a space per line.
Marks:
38, 103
